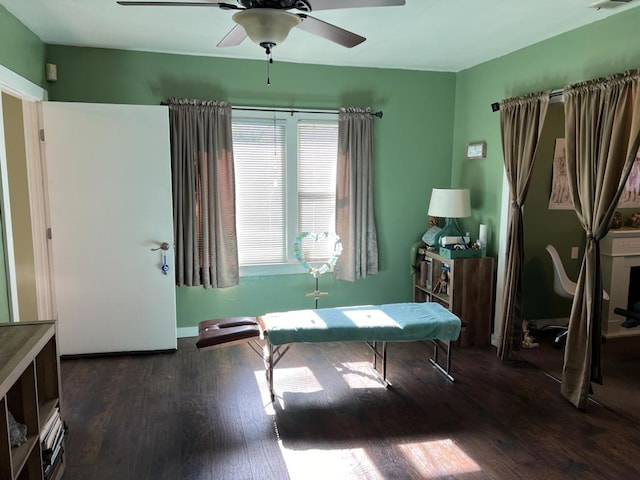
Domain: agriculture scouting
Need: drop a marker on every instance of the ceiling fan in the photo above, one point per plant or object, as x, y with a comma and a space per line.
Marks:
268, 22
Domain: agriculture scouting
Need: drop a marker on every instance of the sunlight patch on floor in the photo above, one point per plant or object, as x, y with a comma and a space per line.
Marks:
438, 458
302, 379
430, 459
343, 464
296, 379
359, 375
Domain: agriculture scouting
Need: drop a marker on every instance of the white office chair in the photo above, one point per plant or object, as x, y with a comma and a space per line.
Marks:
564, 287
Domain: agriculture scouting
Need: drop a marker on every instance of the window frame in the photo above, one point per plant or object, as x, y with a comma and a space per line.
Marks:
291, 118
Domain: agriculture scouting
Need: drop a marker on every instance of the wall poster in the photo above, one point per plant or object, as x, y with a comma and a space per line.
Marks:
630, 197
560, 198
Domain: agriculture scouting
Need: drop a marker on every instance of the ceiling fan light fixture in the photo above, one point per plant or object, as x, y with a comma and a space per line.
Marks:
266, 26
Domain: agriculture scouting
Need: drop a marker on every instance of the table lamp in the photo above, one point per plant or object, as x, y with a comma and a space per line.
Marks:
450, 203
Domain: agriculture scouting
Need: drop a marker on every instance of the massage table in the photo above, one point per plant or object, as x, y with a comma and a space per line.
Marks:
375, 325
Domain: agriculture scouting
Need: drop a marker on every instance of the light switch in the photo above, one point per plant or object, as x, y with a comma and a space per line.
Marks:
574, 253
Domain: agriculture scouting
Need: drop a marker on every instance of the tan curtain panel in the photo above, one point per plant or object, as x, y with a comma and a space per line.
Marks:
355, 221
203, 193
602, 127
521, 121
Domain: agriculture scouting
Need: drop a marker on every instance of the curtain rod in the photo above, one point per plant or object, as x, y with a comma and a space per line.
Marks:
555, 93
289, 110
292, 111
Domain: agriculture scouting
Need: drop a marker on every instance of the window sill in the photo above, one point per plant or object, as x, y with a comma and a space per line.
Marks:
278, 269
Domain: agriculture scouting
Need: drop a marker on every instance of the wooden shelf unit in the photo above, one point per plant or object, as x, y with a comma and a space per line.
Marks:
30, 390
468, 292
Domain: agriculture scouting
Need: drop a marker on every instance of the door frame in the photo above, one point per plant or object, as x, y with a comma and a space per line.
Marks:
30, 94
502, 255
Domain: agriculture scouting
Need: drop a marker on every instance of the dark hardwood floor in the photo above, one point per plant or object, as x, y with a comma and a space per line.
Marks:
207, 415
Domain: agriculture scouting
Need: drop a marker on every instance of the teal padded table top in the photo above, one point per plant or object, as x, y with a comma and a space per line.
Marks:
393, 322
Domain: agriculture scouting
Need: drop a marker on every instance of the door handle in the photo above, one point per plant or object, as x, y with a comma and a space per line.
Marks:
163, 246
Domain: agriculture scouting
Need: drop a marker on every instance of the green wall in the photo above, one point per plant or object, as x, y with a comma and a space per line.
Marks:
412, 151
608, 46
21, 51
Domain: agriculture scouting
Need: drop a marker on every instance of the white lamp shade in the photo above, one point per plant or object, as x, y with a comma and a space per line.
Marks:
450, 203
266, 25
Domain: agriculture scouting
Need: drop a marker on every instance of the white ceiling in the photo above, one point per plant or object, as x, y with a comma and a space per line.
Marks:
443, 35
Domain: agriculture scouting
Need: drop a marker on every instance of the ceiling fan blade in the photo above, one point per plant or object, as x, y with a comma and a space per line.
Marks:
223, 6
335, 4
235, 37
330, 32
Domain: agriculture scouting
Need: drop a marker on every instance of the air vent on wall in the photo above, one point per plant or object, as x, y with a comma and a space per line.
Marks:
609, 4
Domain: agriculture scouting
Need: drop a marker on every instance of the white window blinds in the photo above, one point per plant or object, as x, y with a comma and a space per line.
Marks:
260, 159
285, 171
317, 158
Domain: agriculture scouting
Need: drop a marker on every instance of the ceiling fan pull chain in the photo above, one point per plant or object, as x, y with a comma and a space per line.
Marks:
269, 62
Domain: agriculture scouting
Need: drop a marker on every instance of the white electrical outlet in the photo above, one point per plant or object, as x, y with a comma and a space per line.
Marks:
574, 253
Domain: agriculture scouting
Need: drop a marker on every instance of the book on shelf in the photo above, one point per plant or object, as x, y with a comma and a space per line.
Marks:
55, 415
49, 452
52, 435
55, 441
52, 457
50, 467
424, 279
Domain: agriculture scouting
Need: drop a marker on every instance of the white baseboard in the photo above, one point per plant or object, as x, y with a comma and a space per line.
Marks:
187, 332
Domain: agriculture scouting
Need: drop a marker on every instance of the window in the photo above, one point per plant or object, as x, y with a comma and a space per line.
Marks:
285, 169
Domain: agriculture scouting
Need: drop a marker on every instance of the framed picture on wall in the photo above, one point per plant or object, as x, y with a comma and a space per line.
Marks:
477, 150
560, 198
630, 197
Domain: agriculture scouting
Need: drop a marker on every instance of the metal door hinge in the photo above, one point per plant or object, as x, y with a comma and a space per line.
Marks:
42, 134
49, 233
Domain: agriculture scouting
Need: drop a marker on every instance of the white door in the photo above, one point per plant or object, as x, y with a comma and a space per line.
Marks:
109, 188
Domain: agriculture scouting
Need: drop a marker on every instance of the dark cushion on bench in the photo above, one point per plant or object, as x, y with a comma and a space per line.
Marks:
222, 331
